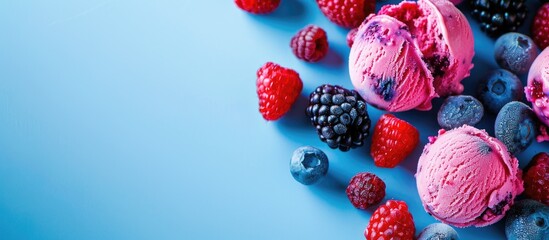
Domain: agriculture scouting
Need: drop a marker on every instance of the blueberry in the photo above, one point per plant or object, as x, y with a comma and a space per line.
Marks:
499, 88
308, 165
459, 110
515, 52
438, 231
528, 220
516, 126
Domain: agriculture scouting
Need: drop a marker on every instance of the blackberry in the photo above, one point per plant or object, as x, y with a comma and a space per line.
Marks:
339, 116
497, 17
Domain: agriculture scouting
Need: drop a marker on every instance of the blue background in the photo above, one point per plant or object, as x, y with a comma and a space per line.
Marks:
138, 120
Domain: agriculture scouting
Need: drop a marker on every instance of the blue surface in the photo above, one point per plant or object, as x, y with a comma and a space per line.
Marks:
138, 120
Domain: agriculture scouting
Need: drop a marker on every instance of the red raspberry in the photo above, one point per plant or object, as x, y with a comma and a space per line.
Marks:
351, 36
277, 89
394, 139
310, 43
391, 221
347, 13
540, 27
536, 178
257, 6
365, 189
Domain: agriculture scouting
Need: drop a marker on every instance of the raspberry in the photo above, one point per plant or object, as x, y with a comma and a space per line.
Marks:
257, 6
339, 116
277, 89
351, 36
540, 27
391, 221
347, 13
536, 178
497, 17
310, 43
394, 139
365, 190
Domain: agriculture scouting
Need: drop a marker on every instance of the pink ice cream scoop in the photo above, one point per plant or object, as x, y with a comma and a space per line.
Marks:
537, 91
410, 53
467, 178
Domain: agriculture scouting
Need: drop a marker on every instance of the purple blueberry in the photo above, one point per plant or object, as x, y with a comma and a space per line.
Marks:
527, 220
438, 231
308, 165
499, 88
516, 126
459, 110
515, 52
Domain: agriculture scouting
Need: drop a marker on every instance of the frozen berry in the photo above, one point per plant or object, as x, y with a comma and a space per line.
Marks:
257, 6
351, 36
498, 89
339, 116
536, 178
515, 52
308, 165
459, 110
347, 13
527, 220
277, 88
438, 231
391, 221
365, 190
540, 27
516, 126
393, 140
310, 43
497, 17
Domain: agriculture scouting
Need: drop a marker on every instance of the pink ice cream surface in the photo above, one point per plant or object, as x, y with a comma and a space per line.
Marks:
388, 63
537, 90
467, 178
404, 52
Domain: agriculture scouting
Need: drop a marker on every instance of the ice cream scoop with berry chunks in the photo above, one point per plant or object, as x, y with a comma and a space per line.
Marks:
308, 165
516, 126
499, 88
467, 178
537, 91
527, 220
410, 53
339, 116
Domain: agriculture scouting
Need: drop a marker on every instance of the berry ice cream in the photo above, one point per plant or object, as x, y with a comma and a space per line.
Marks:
537, 90
467, 178
410, 53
